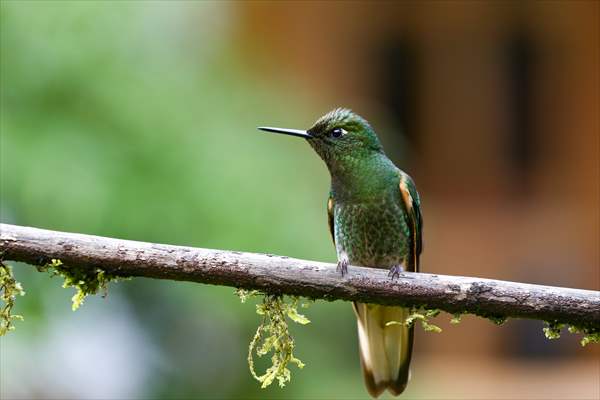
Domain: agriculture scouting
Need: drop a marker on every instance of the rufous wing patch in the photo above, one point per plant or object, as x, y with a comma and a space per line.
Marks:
408, 203
406, 196
330, 220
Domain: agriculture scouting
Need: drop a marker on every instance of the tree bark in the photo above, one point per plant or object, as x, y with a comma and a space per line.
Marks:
284, 275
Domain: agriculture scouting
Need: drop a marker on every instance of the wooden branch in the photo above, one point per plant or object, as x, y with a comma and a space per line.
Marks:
277, 274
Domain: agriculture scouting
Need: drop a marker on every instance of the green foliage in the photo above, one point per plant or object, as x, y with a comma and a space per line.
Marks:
552, 330
9, 290
456, 318
273, 336
498, 320
590, 335
420, 314
111, 148
244, 295
85, 280
591, 338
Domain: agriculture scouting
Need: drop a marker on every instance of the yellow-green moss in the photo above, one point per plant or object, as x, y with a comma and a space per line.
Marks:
456, 318
85, 280
552, 330
273, 336
422, 315
9, 290
590, 335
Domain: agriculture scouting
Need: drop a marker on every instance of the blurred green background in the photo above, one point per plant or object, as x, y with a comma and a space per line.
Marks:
137, 120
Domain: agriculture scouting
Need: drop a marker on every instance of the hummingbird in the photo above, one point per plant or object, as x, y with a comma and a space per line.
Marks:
374, 217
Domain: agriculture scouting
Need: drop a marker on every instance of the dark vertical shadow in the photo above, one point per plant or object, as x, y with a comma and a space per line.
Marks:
398, 84
520, 67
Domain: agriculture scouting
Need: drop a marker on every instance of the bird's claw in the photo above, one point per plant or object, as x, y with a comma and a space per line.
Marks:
396, 271
342, 266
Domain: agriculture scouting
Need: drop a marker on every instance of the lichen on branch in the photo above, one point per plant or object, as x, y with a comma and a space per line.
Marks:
422, 315
86, 281
273, 336
9, 290
553, 329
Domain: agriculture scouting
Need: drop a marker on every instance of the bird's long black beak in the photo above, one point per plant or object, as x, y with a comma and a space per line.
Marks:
291, 132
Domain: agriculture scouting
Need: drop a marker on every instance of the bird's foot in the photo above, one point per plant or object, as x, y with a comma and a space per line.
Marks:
396, 271
342, 266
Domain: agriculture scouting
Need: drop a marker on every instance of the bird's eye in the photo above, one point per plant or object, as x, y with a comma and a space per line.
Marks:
338, 132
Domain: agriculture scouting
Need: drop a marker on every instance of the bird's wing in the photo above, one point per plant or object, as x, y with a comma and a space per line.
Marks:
330, 217
412, 205
386, 351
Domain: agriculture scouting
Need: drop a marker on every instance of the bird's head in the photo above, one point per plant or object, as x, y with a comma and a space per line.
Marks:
339, 137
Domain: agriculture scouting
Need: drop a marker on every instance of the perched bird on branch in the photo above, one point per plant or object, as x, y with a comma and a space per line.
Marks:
375, 220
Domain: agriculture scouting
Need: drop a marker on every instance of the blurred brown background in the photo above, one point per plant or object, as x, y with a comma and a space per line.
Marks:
492, 107
499, 105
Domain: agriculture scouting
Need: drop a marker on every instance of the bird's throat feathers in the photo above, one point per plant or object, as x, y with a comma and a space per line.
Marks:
362, 177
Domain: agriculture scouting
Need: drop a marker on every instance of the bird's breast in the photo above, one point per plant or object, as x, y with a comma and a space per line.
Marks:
371, 234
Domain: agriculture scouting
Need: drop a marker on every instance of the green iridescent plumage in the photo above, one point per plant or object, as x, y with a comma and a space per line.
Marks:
375, 221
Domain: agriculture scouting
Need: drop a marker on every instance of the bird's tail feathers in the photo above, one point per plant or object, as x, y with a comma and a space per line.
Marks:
385, 349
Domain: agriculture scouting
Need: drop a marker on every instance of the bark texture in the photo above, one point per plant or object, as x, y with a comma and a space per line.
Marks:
312, 279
